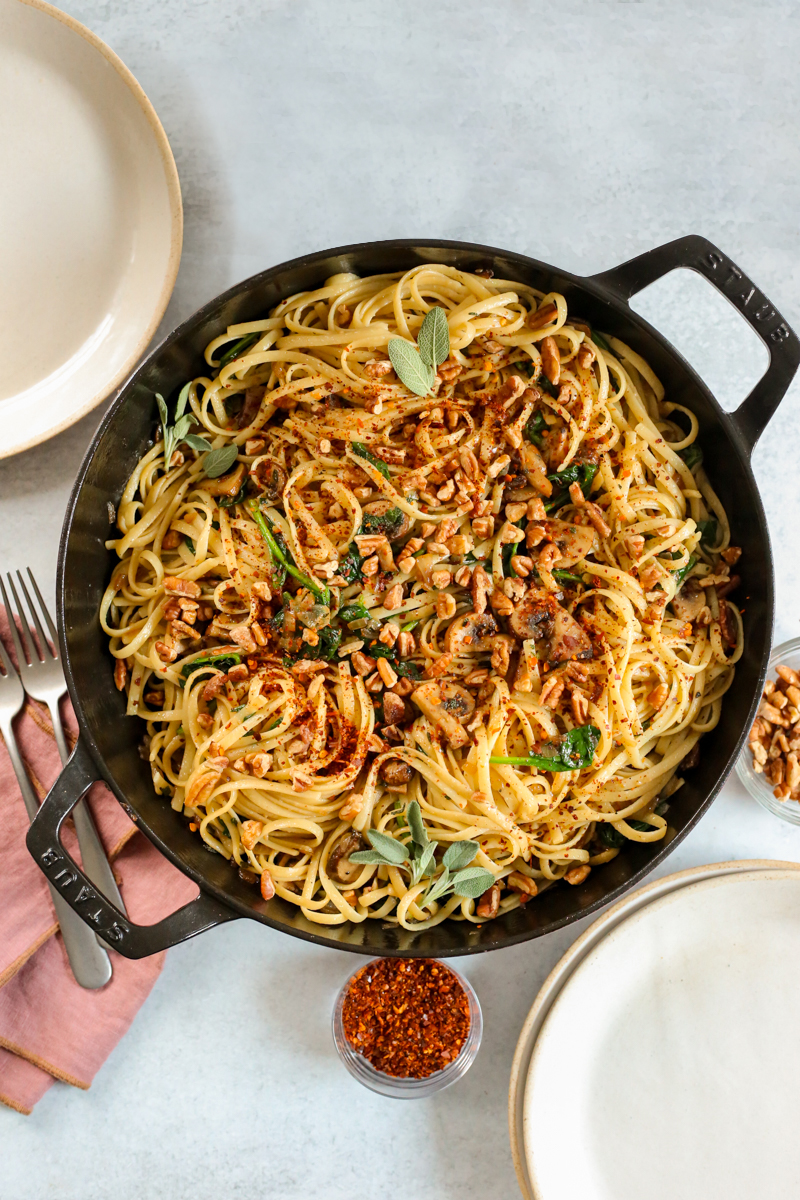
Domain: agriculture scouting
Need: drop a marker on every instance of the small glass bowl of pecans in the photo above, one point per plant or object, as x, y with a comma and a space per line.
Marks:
407, 1027
769, 765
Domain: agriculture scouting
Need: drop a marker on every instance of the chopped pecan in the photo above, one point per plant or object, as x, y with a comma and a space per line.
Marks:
577, 875
488, 905
174, 586
551, 360
522, 883
243, 637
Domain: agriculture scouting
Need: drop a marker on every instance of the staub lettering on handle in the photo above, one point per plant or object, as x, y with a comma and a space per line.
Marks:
60, 872
744, 294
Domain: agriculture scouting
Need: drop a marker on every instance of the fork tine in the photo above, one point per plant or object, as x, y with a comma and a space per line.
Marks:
43, 642
4, 658
45, 612
12, 625
31, 651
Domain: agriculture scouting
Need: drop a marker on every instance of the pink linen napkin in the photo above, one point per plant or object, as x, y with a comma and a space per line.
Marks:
50, 1027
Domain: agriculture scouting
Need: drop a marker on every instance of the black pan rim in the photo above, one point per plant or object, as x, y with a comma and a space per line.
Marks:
605, 296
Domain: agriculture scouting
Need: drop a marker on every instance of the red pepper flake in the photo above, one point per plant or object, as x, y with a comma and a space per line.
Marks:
409, 1017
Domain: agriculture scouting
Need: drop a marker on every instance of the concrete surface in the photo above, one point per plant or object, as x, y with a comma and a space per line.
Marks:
582, 133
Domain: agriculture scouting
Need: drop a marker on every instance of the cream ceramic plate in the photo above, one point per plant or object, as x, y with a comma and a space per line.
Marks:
669, 1063
90, 222
567, 964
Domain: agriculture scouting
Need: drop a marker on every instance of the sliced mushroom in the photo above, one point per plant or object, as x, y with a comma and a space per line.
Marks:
473, 631
252, 403
395, 772
534, 614
574, 542
397, 528
535, 468
227, 485
339, 865
567, 640
447, 705
269, 477
689, 602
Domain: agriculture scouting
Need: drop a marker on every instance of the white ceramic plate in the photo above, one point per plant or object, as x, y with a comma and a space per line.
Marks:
90, 222
567, 964
669, 1063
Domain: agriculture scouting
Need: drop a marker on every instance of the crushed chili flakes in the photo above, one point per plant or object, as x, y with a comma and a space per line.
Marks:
409, 1017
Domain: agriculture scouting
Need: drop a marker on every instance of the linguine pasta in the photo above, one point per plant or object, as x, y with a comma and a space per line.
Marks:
493, 614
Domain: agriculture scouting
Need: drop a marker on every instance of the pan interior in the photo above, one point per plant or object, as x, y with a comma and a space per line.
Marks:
85, 567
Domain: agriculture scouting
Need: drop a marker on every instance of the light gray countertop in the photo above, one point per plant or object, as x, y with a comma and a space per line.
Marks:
580, 133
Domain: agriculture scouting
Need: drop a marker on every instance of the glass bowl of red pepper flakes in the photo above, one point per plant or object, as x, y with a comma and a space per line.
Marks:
407, 1027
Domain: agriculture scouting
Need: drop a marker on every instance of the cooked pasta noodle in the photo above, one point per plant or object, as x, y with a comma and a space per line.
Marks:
527, 566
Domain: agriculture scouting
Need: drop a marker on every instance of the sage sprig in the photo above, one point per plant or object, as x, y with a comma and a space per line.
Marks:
418, 857
173, 435
415, 366
219, 461
434, 338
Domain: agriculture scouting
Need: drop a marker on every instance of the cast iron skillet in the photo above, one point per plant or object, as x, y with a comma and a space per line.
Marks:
108, 744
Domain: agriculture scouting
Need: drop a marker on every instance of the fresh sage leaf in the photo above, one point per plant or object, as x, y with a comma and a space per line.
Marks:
392, 850
217, 462
427, 860
473, 882
411, 370
438, 888
460, 854
197, 442
166, 432
183, 400
372, 858
416, 824
163, 411
434, 338
182, 427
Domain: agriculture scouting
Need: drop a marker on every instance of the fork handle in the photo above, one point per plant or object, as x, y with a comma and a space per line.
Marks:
95, 859
90, 963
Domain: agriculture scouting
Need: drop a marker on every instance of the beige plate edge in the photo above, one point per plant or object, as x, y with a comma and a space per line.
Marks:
570, 960
176, 212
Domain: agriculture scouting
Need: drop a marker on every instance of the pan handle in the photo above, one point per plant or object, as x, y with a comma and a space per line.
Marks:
698, 254
116, 929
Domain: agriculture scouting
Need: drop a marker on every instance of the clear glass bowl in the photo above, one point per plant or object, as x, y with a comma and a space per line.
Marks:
401, 1088
759, 787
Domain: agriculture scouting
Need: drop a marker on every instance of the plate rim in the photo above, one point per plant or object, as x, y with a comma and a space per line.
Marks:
176, 226
562, 971
712, 881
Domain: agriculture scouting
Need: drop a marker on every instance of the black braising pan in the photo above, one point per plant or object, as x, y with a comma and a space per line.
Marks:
108, 744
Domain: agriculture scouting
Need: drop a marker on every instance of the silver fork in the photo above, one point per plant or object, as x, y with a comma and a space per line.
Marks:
90, 963
43, 679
